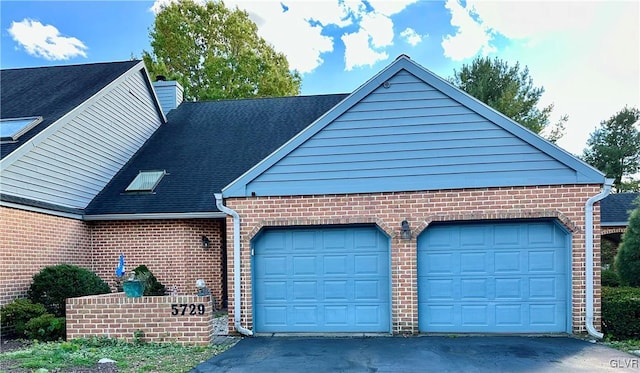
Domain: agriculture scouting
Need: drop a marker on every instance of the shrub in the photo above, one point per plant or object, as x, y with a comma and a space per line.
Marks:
151, 284
608, 250
628, 258
54, 284
610, 278
16, 314
621, 312
46, 327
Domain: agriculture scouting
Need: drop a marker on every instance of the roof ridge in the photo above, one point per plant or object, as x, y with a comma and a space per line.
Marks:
133, 62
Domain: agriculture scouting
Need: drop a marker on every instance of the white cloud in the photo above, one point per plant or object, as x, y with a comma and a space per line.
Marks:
411, 36
357, 51
298, 32
46, 41
585, 54
379, 27
390, 7
471, 37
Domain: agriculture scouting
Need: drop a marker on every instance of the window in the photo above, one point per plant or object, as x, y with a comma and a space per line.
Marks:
12, 128
145, 181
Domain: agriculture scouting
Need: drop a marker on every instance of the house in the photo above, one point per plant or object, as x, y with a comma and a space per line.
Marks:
614, 215
406, 206
65, 132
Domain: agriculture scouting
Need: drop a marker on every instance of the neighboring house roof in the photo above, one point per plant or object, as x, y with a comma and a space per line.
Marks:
51, 92
616, 208
92, 119
203, 147
407, 129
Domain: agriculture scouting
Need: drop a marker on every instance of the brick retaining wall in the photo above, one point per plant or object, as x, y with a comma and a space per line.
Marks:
117, 316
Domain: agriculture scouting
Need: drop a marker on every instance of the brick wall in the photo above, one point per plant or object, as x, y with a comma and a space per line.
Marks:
148, 318
171, 249
387, 210
30, 241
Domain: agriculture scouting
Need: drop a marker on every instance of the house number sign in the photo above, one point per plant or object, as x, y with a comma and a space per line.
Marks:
185, 309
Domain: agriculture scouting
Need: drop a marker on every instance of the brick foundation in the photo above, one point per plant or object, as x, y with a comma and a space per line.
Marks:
386, 210
147, 318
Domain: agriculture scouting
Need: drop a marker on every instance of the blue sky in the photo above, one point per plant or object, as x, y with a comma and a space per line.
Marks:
586, 54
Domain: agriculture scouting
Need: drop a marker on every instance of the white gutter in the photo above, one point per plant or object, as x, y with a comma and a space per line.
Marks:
588, 231
236, 263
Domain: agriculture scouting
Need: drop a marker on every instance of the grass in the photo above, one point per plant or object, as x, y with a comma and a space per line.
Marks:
129, 357
626, 345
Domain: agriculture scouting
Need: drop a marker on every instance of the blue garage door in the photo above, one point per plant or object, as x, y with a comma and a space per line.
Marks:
493, 278
321, 280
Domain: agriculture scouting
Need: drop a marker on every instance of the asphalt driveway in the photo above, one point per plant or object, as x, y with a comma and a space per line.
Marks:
419, 354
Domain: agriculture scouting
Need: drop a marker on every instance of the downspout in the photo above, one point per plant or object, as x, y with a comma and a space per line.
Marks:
588, 231
236, 263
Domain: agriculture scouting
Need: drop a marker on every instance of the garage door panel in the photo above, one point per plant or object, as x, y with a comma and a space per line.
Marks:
272, 266
339, 283
471, 237
508, 262
366, 240
474, 315
474, 263
509, 289
437, 263
305, 290
502, 277
336, 290
301, 241
302, 266
335, 265
509, 315
474, 288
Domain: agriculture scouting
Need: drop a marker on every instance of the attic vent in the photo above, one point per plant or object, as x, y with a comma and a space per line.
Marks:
12, 128
145, 181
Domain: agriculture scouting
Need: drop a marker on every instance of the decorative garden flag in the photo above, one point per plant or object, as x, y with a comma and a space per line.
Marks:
120, 270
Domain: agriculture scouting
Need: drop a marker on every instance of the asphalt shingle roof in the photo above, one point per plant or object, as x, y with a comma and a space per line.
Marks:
616, 208
51, 92
206, 145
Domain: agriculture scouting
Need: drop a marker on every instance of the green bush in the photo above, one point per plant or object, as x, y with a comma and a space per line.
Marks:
610, 278
46, 327
627, 261
151, 284
608, 251
16, 314
621, 312
54, 284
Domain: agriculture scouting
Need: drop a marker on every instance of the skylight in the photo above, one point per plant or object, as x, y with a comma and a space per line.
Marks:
12, 128
145, 181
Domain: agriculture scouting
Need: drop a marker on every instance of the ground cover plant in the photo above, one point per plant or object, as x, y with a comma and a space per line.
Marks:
82, 355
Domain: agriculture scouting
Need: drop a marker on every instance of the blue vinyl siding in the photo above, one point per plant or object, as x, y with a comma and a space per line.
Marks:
494, 278
409, 136
321, 280
407, 129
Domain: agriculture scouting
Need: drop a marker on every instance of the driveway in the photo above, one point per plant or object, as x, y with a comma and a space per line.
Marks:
419, 354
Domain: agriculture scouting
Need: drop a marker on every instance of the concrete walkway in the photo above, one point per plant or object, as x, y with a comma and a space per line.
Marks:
419, 354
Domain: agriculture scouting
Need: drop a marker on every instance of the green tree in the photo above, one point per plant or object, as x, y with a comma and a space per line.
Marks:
628, 258
509, 90
614, 147
216, 53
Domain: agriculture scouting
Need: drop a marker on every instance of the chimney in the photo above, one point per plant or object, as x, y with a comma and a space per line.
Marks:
169, 93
